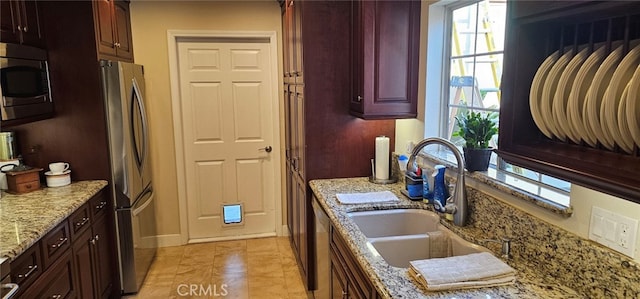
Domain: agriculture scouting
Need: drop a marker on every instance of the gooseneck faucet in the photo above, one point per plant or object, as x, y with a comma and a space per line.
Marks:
457, 202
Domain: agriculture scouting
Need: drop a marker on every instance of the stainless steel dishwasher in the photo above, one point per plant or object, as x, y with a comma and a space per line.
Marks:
323, 262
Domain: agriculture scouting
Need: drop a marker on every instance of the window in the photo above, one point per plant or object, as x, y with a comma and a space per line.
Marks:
473, 34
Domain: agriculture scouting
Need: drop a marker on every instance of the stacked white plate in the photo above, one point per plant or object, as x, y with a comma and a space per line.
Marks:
58, 179
590, 96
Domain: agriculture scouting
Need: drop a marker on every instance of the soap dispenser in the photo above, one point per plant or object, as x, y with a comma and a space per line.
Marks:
440, 190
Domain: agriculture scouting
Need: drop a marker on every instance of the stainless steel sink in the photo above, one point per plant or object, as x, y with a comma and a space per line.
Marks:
396, 222
403, 235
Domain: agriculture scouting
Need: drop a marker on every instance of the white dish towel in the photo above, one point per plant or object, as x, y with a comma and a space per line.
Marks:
369, 197
474, 270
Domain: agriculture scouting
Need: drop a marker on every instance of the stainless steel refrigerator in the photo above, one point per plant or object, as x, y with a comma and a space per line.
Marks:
124, 92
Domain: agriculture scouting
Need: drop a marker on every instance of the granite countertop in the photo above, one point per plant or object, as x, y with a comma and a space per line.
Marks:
25, 218
392, 282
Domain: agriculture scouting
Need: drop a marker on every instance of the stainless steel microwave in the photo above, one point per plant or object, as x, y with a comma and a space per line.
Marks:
24, 82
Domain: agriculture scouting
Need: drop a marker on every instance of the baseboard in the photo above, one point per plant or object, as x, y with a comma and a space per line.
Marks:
176, 239
229, 238
169, 240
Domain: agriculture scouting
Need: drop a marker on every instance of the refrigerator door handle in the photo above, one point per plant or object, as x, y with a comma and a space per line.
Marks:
143, 116
138, 209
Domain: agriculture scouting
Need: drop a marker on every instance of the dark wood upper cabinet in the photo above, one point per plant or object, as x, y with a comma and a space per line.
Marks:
112, 23
385, 39
535, 29
105, 36
20, 23
124, 48
292, 40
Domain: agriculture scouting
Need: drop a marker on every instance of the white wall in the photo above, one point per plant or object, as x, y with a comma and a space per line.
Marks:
582, 199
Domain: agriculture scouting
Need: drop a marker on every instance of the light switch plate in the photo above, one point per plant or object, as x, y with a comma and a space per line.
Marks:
613, 230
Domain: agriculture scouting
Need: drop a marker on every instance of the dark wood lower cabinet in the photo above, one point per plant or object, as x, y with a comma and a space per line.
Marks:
338, 278
82, 262
56, 283
348, 280
65, 265
93, 260
103, 261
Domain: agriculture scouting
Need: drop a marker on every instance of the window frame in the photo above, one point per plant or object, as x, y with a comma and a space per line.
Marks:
441, 97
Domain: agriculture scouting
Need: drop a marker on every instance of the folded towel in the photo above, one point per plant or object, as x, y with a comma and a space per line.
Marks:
462, 272
439, 244
370, 197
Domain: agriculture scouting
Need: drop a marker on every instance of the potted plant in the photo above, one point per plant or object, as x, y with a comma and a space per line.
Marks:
476, 129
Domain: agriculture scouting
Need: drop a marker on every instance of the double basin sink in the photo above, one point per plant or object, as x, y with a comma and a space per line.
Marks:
403, 235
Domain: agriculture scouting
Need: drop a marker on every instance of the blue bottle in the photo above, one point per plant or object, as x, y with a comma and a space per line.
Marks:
427, 189
440, 190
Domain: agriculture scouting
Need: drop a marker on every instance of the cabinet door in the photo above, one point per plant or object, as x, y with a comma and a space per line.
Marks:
288, 156
102, 249
9, 21
385, 59
83, 265
290, 39
292, 129
297, 42
57, 282
301, 224
285, 41
104, 27
122, 29
300, 131
30, 21
338, 278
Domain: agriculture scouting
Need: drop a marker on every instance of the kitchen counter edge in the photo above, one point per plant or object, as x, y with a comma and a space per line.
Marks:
26, 218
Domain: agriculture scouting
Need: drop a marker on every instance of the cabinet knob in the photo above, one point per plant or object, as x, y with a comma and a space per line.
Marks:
19, 28
56, 296
118, 45
25, 29
359, 98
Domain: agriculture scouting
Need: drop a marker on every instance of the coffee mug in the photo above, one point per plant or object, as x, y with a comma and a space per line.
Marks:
58, 167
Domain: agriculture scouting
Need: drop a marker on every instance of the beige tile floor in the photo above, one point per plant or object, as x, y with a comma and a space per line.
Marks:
253, 268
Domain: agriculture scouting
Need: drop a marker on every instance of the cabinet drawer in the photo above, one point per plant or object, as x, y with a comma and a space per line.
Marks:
56, 283
24, 187
99, 204
26, 268
55, 243
80, 220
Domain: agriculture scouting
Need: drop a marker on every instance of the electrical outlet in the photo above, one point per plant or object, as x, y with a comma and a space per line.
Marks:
613, 230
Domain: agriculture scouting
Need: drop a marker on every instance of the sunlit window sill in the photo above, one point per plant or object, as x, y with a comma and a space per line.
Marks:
505, 182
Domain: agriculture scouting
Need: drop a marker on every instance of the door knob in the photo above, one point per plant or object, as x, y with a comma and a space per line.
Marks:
267, 149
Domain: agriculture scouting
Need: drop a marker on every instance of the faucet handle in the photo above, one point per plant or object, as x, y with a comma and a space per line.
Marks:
506, 246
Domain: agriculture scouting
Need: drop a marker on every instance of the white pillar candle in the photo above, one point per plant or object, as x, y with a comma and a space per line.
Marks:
382, 158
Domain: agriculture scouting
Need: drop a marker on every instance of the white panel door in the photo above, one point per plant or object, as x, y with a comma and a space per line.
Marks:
226, 104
